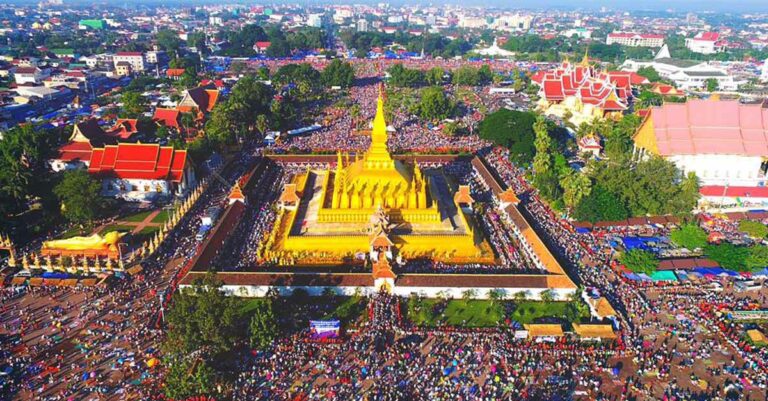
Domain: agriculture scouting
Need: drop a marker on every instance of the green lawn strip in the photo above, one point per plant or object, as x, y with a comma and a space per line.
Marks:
484, 313
117, 227
138, 217
161, 217
458, 312
528, 311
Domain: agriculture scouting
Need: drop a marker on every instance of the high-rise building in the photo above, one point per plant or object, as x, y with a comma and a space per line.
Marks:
363, 26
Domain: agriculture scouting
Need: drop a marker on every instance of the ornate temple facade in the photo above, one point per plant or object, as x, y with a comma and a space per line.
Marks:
580, 94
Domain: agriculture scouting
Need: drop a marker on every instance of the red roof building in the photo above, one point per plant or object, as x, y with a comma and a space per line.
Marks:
170, 118
139, 161
124, 129
200, 99
723, 142
174, 73
261, 47
609, 91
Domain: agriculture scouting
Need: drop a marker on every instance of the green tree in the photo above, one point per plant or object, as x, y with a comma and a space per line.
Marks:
134, 104
576, 186
168, 40
757, 258
600, 205
263, 326
754, 229
511, 129
542, 161
338, 73
400, 76
712, 85
249, 99
466, 75
689, 236
435, 105
80, 196
639, 261
548, 295
202, 318
435, 76
729, 256
650, 73
186, 378
24, 152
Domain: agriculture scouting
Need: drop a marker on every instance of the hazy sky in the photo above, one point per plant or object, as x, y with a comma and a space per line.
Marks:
738, 6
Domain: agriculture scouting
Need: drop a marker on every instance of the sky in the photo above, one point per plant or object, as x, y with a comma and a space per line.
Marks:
733, 6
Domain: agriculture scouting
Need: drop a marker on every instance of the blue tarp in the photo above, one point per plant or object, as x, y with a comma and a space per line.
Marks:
639, 242
55, 275
763, 272
582, 230
715, 271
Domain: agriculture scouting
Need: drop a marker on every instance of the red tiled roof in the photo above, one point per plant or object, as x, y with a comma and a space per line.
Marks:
167, 117
124, 128
734, 192
175, 72
708, 36
711, 127
139, 161
73, 151
262, 45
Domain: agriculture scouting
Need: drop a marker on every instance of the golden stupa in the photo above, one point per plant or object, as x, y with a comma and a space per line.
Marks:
326, 214
356, 189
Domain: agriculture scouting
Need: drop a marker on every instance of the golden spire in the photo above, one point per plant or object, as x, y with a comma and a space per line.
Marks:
379, 132
377, 154
585, 60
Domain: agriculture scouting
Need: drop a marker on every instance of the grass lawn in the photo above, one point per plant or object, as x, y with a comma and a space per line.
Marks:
138, 217
74, 232
457, 312
117, 227
149, 230
484, 313
161, 217
528, 311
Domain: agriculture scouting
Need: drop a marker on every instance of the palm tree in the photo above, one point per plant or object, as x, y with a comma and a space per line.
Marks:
576, 186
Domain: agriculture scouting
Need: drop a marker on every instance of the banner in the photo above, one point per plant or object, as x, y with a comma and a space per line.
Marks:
324, 329
750, 315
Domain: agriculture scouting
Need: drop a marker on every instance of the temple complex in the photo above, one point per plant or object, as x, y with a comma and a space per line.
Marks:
326, 214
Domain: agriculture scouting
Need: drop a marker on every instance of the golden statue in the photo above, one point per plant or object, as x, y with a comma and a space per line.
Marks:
93, 242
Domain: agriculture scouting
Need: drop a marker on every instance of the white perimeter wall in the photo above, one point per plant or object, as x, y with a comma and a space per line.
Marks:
257, 291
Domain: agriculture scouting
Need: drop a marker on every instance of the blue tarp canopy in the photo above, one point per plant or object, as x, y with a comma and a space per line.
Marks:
639, 242
582, 230
717, 271
763, 272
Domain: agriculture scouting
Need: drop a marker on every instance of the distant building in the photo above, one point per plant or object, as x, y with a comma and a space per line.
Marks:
723, 142
705, 43
92, 24
122, 69
135, 59
29, 75
363, 25
315, 20
261, 47
635, 39
686, 74
515, 22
